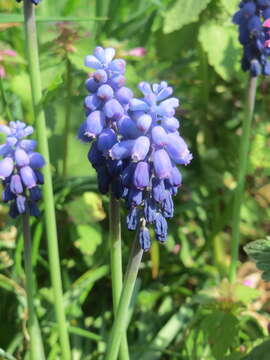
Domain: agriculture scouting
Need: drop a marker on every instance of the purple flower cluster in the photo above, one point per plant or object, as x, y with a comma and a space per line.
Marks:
252, 35
105, 107
151, 144
135, 144
19, 169
36, 2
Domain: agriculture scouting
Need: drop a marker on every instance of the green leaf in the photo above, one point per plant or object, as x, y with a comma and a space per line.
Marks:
5, 355
221, 45
86, 209
20, 85
175, 325
260, 352
221, 330
183, 12
89, 238
259, 252
230, 5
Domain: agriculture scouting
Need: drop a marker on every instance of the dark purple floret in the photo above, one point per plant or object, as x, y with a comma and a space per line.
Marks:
19, 169
253, 35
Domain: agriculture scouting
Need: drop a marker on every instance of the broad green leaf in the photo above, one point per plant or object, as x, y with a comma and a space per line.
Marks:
260, 352
221, 330
259, 252
183, 12
222, 48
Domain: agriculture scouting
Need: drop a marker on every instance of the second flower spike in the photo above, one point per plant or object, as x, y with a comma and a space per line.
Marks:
20, 169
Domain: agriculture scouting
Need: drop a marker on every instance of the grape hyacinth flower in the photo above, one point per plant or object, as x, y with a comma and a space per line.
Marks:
20, 169
152, 147
105, 108
253, 36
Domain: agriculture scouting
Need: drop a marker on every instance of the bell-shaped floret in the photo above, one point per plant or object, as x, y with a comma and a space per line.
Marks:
95, 123
28, 177
6, 167
16, 184
162, 164
122, 149
178, 149
36, 160
144, 239
159, 136
107, 138
140, 149
141, 175
113, 109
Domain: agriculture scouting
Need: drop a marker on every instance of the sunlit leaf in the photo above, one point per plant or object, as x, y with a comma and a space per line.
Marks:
222, 48
183, 12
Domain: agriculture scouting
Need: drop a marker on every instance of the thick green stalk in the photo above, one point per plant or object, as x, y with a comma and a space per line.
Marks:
242, 170
36, 345
121, 319
33, 58
116, 265
67, 115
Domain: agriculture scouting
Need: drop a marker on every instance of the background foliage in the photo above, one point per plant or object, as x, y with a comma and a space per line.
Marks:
183, 307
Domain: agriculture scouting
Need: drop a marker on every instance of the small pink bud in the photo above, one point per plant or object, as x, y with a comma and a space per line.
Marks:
138, 52
267, 43
10, 53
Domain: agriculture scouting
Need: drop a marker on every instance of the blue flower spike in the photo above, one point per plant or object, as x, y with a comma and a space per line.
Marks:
20, 169
135, 144
254, 35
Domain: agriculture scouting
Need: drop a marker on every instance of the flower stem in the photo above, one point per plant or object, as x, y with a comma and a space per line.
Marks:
67, 115
116, 265
120, 322
242, 170
5, 101
36, 345
33, 58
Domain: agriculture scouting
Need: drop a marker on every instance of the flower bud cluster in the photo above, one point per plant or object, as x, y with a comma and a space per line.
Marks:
153, 147
105, 107
20, 169
253, 36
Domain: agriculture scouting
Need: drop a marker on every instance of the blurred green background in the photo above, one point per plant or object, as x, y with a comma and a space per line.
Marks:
183, 307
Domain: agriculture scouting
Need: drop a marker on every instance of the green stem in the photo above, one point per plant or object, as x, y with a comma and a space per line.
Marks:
242, 170
67, 115
5, 101
120, 322
33, 58
116, 265
36, 346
